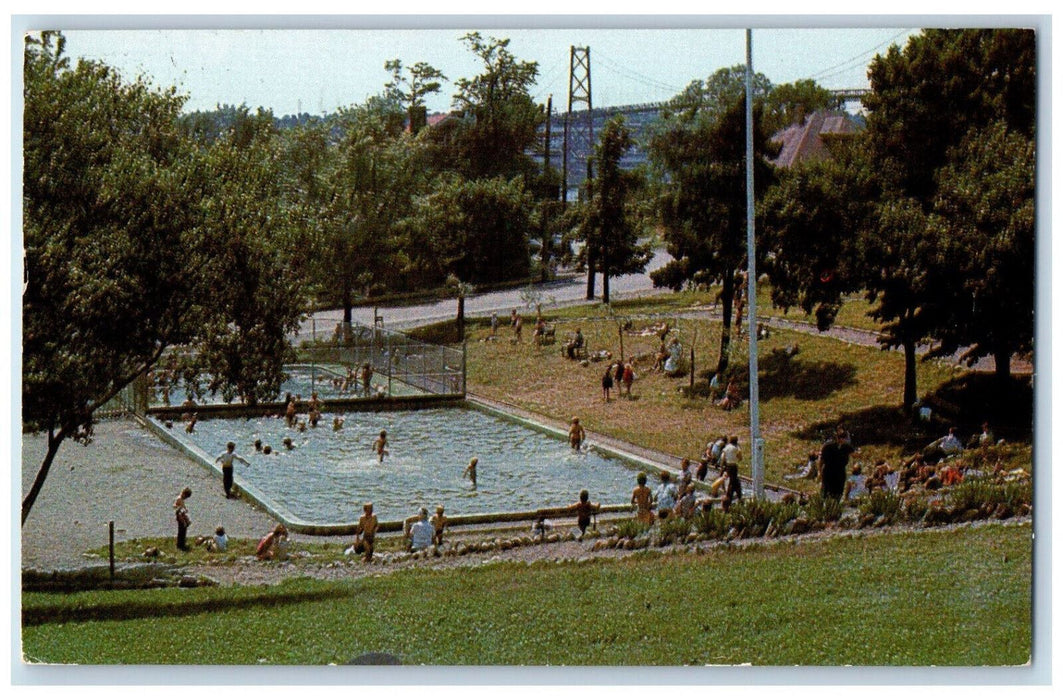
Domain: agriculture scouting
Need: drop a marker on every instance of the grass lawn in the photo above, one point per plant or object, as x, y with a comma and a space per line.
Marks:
932, 597
802, 397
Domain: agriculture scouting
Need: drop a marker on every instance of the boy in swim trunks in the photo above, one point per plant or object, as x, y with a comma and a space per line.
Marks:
367, 525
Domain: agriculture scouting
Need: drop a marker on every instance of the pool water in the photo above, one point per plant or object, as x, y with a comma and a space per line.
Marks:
329, 474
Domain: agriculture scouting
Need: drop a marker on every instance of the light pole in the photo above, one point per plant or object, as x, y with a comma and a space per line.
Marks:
755, 441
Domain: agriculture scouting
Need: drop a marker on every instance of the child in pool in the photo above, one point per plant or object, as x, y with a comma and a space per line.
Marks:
380, 445
470, 471
576, 434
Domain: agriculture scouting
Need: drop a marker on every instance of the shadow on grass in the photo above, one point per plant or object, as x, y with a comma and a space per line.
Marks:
784, 376
964, 402
129, 609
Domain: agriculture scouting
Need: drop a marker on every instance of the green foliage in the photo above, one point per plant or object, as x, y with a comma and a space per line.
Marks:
823, 509
632, 528
602, 612
880, 502
475, 229
791, 103
139, 237
700, 153
672, 530
984, 493
609, 225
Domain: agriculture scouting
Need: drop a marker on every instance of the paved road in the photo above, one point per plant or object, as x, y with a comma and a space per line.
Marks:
567, 290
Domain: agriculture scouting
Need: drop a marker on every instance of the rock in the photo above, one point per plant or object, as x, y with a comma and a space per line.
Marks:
462, 550
188, 582
553, 537
800, 526
881, 521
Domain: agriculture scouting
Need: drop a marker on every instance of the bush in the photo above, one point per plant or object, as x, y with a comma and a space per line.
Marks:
756, 515
983, 494
882, 503
673, 529
631, 529
823, 509
713, 523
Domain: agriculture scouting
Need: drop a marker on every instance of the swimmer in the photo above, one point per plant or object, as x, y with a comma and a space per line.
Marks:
258, 445
266, 449
471, 471
191, 427
301, 427
337, 422
576, 434
288, 443
289, 413
380, 445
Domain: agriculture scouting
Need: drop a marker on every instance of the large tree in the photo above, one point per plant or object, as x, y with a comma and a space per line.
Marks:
127, 235
610, 225
931, 107
700, 151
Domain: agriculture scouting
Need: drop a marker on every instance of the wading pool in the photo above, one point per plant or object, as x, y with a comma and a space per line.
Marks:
330, 473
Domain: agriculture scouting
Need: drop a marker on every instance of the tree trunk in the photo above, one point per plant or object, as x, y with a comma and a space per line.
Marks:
461, 317
909, 375
605, 283
54, 440
727, 295
348, 304
590, 274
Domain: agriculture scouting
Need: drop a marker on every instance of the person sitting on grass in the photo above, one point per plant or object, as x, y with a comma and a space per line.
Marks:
418, 531
808, 470
220, 542
273, 545
855, 485
575, 344
944, 447
731, 398
583, 508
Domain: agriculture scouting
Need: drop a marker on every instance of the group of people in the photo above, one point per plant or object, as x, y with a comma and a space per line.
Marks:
622, 376
272, 546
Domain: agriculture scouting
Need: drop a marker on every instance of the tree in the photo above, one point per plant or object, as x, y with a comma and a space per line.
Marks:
474, 229
700, 152
122, 260
985, 209
609, 226
501, 120
929, 107
790, 103
812, 224
409, 85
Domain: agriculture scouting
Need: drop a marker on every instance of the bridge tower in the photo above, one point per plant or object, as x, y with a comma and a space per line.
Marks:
578, 128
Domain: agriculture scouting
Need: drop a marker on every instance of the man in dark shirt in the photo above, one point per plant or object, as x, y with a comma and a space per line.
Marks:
833, 459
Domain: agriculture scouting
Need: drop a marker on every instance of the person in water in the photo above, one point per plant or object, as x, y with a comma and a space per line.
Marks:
470, 471
380, 445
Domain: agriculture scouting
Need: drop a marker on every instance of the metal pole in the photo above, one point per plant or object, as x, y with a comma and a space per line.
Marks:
110, 546
756, 444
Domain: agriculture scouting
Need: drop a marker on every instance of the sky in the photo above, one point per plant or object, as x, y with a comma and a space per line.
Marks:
317, 70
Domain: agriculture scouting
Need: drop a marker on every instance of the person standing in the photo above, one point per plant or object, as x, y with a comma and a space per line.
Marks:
607, 382
576, 434
729, 460
180, 510
227, 458
367, 379
666, 496
833, 460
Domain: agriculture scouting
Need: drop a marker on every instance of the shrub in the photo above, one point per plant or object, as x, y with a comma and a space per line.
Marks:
981, 493
823, 509
882, 503
674, 529
631, 529
713, 523
756, 515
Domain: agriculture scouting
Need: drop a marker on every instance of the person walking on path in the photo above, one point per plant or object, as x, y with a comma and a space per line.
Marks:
833, 460
227, 458
180, 510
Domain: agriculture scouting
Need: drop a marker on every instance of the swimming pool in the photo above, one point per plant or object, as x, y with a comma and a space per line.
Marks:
330, 473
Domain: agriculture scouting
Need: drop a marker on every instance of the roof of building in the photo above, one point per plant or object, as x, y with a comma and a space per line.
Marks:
804, 142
